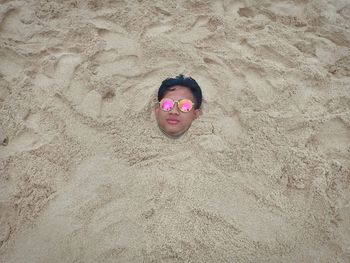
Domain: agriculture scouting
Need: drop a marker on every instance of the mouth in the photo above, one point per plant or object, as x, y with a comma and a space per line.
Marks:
172, 121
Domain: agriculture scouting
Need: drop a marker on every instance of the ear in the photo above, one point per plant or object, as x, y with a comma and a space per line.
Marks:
197, 113
156, 109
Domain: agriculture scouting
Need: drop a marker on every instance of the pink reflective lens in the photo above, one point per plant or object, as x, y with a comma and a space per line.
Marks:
185, 105
167, 104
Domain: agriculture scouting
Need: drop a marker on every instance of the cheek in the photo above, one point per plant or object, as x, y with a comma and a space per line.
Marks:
188, 119
160, 115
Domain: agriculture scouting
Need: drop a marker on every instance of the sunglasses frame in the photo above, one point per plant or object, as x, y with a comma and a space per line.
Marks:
177, 104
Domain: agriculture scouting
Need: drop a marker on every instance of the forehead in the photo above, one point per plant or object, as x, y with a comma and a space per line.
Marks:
179, 92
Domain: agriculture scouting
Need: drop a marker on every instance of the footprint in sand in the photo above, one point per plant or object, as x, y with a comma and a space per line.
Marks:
11, 64
29, 138
125, 66
229, 127
261, 87
118, 41
109, 63
59, 69
65, 68
328, 53
142, 93
230, 8
105, 25
91, 104
230, 79
106, 56
283, 8
157, 29
4, 89
15, 23
334, 138
306, 46
274, 52
33, 136
199, 30
7, 217
65, 64
212, 143
122, 44
120, 56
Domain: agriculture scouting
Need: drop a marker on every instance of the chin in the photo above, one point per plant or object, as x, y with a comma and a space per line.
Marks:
174, 134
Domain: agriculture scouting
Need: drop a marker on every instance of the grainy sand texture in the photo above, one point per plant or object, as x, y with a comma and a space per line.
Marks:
262, 176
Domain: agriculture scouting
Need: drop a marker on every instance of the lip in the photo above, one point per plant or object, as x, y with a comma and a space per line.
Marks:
172, 121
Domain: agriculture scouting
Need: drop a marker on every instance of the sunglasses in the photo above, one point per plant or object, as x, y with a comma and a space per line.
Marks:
184, 105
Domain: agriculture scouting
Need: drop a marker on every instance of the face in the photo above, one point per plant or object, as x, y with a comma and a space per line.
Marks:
175, 122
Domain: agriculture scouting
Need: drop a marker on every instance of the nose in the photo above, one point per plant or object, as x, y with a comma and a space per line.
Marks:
175, 109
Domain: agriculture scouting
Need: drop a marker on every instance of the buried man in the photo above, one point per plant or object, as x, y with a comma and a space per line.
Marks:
179, 102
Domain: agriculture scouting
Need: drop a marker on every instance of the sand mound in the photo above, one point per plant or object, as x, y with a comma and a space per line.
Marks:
262, 176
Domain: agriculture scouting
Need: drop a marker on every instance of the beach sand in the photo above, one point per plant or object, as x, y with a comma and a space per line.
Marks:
262, 176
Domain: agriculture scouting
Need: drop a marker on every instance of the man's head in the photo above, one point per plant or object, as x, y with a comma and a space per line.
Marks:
179, 102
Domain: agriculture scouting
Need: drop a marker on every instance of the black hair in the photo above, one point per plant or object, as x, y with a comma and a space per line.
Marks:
181, 80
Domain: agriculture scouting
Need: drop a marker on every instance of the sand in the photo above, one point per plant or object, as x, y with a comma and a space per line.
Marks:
262, 176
